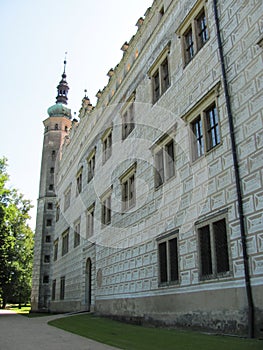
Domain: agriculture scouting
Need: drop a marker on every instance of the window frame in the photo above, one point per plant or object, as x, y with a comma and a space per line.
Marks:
77, 233
106, 211
192, 24
214, 253
90, 213
162, 160
128, 116
67, 198
79, 182
106, 141
65, 242
55, 255
91, 162
158, 76
167, 266
128, 188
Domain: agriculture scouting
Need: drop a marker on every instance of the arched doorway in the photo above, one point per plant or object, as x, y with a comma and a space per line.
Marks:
88, 283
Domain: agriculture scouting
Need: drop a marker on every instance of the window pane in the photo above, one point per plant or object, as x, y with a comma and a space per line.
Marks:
165, 75
205, 251
202, 31
156, 87
163, 262
189, 45
173, 259
159, 168
170, 159
221, 248
198, 139
213, 135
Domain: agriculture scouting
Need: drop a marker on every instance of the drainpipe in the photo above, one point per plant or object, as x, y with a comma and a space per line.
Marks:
237, 180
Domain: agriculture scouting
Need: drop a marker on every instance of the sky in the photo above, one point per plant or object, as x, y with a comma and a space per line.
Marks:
34, 36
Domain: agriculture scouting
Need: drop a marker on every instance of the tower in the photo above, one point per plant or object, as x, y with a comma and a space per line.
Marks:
56, 126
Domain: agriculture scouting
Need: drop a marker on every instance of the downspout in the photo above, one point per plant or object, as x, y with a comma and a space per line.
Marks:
237, 180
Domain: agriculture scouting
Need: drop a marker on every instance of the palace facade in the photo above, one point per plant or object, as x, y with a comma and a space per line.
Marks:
150, 204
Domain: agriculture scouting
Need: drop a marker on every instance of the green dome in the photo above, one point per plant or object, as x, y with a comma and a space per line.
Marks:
59, 110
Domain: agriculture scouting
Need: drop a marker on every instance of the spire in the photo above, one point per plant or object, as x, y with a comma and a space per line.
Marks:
63, 88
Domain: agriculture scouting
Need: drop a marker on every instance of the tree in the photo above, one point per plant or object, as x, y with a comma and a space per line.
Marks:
16, 242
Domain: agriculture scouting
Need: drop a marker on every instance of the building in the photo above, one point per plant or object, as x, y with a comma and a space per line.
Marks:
150, 206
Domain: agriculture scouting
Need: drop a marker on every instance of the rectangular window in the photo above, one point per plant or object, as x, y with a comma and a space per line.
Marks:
48, 239
213, 249
49, 222
91, 166
50, 206
53, 296
168, 260
57, 211
90, 221
194, 32
77, 234
79, 182
46, 279
56, 250
106, 146
62, 288
164, 161
201, 29
106, 208
65, 242
160, 75
204, 124
128, 118
189, 45
198, 138
67, 197
212, 126
47, 259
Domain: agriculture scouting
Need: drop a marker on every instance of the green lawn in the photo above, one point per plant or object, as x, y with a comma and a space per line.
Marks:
131, 337
23, 311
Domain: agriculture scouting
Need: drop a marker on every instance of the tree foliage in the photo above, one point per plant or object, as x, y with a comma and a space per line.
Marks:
16, 243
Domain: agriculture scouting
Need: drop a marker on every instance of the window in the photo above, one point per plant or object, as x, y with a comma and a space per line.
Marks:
65, 242
194, 32
51, 187
49, 222
45, 279
67, 196
90, 221
205, 131
50, 206
46, 258
53, 155
52, 170
128, 117
159, 74
106, 145
168, 259
213, 249
106, 208
53, 294
62, 288
164, 160
56, 250
56, 126
57, 211
77, 233
48, 239
128, 188
91, 165
79, 181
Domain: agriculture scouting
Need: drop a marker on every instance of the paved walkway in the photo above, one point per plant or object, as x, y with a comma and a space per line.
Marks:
22, 333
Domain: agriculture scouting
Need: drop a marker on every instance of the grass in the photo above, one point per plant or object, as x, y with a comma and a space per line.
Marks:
25, 311
131, 337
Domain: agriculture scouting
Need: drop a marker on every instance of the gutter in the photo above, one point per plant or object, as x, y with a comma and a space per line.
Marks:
251, 317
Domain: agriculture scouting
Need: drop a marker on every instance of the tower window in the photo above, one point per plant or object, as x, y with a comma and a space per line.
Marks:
56, 126
53, 155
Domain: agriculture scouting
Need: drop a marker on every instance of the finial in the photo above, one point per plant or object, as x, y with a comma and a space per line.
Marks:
65, 61
85, 91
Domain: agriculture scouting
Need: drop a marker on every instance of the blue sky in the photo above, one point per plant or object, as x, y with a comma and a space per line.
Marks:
34, 36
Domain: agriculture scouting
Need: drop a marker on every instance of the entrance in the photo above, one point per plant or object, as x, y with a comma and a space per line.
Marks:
88, 284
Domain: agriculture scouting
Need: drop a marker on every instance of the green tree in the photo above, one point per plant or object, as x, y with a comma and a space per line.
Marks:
16, 243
